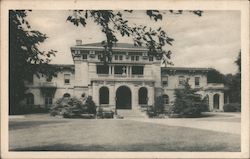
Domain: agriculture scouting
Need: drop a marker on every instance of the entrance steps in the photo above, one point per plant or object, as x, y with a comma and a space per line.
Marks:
131, 113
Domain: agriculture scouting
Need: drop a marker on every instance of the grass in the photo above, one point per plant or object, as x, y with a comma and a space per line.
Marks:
51, 134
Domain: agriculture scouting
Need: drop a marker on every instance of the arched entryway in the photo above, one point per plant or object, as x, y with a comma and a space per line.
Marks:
66, 95
104, 95
143, 95
216, 101
123, 98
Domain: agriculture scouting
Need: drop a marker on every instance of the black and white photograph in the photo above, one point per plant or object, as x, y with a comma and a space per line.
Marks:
82, 79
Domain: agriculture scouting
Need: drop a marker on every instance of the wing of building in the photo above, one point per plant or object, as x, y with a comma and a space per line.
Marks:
132, 81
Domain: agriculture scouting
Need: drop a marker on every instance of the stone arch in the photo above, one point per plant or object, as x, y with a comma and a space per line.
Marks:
216, 101
104, 95
143, 95
66, 95
123, 98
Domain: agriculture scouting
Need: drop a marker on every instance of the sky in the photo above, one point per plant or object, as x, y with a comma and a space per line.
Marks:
212, 40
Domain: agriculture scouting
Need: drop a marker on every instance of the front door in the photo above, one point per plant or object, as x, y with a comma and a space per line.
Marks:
123, 98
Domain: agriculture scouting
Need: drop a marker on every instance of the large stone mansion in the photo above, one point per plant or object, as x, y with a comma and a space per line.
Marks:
133, 80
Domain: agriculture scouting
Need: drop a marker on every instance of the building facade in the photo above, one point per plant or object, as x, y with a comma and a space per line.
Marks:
132, 81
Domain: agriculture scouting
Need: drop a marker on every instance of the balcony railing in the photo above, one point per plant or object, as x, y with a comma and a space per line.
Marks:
48, 84
214, 86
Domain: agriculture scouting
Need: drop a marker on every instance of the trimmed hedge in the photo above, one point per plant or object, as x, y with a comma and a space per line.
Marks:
232, 107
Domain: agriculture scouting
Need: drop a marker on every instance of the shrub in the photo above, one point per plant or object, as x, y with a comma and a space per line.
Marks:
90, 105
232, 107
159, 105
151, 111
104, 113
67, 107
188, 102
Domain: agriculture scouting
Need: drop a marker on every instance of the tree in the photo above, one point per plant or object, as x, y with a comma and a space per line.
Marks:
188, 102
112, 22
25, 58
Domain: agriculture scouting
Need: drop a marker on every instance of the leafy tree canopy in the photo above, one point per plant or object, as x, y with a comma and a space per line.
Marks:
25, 58
113, 22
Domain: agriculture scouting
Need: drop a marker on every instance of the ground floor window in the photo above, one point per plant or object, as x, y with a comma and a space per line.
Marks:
104, 95
48, 100
143, 95
165, 99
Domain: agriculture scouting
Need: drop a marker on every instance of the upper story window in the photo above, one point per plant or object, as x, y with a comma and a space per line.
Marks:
137, 70
181, 80
66, 78
197, 81
120, 57
116, 57
132, 58
136, 58
165, 81
151, 58
120, 69
102, 69
84, 56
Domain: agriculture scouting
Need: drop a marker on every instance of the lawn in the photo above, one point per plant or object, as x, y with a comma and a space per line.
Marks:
53, 134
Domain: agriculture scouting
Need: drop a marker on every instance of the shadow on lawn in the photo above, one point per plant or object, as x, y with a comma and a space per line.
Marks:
13, 125
133, 148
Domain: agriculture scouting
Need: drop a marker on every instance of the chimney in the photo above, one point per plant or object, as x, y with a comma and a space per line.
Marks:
78, 42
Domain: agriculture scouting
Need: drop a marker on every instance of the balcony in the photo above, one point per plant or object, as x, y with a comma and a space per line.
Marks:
215, 86
125, 77
48, 84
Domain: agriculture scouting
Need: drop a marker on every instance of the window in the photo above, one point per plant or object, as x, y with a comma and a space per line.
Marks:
197, 81
84, 56
132, 58
102, 69
66, 95
136, 58
66, 78
181, 80
120, 57
137, 70
104, 95
48, 99
164, 81
116, 57
99, 57
30, 99
151, 58
120, 69
165, 99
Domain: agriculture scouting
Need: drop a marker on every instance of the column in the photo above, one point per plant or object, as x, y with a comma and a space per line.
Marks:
210, 101
134, 97
221, 101
112, 96
110, 70
96, 95
150, 95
